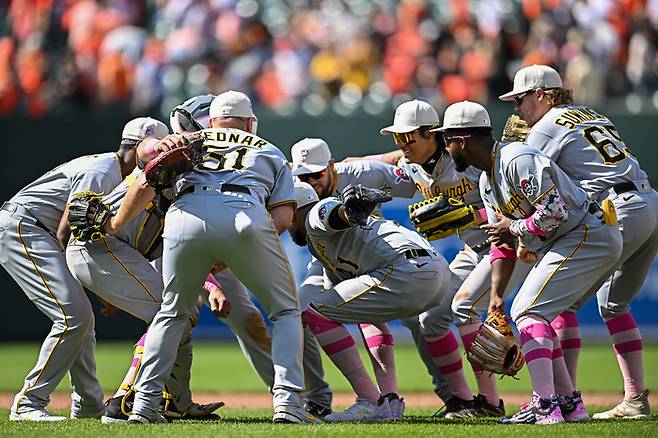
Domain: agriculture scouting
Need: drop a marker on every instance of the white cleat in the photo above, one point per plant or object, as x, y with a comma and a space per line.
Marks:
634, 409
396, 406
35, 415
141, 419
361, 411
294, 415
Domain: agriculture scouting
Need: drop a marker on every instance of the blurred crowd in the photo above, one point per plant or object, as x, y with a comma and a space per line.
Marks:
311, 55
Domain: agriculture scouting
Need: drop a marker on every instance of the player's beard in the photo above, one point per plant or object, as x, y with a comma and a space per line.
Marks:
299, 237
461, 163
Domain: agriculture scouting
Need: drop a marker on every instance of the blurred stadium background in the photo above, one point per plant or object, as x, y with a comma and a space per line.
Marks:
73, 72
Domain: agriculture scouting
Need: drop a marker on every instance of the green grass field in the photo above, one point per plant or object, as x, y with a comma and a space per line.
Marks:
221, 367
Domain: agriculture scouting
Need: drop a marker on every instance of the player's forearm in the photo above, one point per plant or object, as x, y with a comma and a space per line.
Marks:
136, 200
63, 231
503, 260
282, 217
550, 213
389, 157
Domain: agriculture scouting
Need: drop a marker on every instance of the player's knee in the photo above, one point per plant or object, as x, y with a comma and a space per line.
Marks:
433, 325
609, 310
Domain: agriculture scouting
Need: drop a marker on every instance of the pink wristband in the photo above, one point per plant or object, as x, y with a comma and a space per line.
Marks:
483, 214
532, 228
502, 253
210, 282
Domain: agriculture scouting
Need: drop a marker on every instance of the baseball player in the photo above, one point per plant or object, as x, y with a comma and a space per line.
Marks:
221, 215
530, 199
434, 173
117, 269
588, 148
312, 163
375, 273
33, 232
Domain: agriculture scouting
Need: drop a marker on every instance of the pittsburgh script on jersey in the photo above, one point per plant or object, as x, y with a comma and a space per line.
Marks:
571, 118
219, 139
457, 192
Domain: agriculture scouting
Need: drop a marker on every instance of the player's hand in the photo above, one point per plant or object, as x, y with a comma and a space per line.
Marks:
496, 303
529, 257
170, 142
108, 309
498, 232
219, 304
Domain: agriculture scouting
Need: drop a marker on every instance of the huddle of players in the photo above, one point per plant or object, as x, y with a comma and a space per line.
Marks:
538, 202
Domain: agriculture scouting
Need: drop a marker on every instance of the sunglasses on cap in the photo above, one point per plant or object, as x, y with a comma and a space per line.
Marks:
315, 175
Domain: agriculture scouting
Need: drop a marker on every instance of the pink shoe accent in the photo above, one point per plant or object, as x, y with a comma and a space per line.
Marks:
555, 417
579, 415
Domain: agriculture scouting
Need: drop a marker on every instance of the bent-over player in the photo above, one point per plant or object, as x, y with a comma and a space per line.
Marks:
377, 271
33, 232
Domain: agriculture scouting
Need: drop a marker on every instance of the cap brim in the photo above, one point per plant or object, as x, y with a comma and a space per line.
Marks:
309, 168
400, 129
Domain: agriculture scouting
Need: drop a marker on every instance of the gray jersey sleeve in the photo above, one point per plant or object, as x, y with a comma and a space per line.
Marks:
283, 191
93, 181
318, 217
375, 174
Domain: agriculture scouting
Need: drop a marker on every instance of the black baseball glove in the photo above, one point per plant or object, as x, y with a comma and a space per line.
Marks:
360, 201
88, 216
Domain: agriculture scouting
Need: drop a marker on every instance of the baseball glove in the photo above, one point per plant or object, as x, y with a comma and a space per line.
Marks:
516, 129
88, 216
360, 201
162, 171
495, 348
441, 216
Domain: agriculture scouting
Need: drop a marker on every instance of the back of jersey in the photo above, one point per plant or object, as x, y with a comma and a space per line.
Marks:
587, 146
232, 156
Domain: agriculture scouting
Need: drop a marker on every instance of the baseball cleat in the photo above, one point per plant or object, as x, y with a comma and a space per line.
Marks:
141, 419
396, 406
633, 409
541, 411
572, 408
458, 409
294, 414
115, 410
316, 409
485, 409
35, 415
360, 411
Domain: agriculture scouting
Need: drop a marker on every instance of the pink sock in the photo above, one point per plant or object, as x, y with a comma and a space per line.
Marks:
445, 354
627, 344
338, 344
561, 376
129, 379
485, 380
567, 328
379, 340
537, 343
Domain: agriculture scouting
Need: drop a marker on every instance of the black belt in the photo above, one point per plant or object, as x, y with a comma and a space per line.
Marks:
594, 208
627, 186
414, 253
226, 187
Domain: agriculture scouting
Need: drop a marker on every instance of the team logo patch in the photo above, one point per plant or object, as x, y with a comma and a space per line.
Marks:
149, 131
529, 186
401, 175
322, 212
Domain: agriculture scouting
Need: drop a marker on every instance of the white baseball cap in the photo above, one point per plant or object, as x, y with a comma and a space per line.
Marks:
231, 104
410, 116
531, 78
310, 155
304, 194
464, 115
142, 127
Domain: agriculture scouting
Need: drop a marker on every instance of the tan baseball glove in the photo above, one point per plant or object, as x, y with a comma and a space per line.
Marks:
495, 348
516, 129
441, 216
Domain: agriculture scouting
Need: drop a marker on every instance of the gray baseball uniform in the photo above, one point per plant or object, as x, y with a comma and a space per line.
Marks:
220, 216
378, 273
117, 269
558, 221
34, 258
369, 174
587, 146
